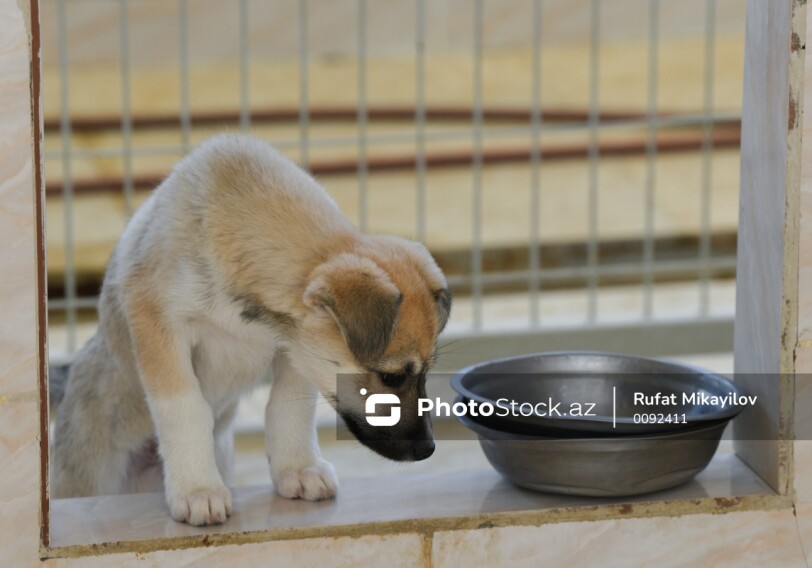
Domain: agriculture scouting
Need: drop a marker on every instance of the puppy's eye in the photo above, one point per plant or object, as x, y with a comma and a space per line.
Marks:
393, 380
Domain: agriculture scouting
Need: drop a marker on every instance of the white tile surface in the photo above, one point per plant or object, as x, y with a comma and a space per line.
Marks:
393, 551
755, 539
363, 500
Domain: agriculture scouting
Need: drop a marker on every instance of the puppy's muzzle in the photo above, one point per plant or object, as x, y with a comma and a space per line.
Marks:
422, 449
394, 443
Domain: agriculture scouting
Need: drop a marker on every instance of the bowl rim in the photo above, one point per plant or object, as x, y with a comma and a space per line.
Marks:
494, 435
584, 423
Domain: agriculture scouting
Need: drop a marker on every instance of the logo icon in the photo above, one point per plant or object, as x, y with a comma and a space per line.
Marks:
373, 401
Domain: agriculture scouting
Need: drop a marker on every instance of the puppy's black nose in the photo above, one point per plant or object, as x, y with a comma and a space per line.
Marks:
422, 449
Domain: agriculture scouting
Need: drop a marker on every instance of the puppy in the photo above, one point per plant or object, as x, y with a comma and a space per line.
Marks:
240, 265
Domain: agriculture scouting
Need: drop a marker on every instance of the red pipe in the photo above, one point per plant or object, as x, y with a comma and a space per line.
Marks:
666, 144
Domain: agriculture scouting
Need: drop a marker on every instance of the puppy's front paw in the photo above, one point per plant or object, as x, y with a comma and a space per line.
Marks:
311, 483
200, 507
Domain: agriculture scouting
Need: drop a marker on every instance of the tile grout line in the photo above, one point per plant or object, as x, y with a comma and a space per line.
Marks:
427, 549
798, 532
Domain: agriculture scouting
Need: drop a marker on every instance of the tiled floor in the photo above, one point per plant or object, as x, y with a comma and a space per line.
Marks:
757, 539
368, 495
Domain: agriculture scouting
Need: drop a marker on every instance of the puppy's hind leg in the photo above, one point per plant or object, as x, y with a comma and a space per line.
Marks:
297, 468
149, 480
86, 456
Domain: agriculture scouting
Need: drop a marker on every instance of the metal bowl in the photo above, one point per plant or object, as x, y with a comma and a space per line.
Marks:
608, 381
600, 467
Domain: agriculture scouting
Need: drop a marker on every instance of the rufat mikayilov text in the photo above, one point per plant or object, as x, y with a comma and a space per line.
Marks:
699, 398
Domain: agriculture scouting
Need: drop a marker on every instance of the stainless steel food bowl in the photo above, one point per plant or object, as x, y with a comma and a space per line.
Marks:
607, 380
601, 467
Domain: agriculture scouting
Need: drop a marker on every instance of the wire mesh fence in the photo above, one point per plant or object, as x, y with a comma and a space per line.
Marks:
416, 115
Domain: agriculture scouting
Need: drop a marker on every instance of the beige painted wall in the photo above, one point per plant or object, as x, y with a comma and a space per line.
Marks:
93, 26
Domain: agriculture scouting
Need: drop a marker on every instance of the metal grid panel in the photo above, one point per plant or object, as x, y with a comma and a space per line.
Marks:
535, 277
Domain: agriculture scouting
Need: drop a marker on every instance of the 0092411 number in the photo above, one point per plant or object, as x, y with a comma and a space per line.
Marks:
652, 418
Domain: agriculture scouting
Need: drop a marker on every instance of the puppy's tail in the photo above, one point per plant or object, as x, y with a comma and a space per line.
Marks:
57, 384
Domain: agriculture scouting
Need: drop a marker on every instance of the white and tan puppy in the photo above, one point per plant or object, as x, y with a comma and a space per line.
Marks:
240, 265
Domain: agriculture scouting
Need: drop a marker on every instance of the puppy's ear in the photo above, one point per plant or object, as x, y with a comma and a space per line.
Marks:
362, 300
434, 277
442, 298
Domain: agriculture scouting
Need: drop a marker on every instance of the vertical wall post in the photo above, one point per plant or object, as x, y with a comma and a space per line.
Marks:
767, 266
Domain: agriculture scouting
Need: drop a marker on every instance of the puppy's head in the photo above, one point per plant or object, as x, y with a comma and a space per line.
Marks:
374, 317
